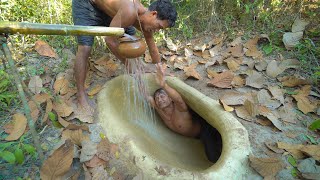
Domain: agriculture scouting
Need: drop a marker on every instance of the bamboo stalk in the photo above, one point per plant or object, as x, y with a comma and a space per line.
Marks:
34, 134
8, 27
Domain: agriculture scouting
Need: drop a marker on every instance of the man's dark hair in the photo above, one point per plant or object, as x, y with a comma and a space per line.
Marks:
165, 10
157, 92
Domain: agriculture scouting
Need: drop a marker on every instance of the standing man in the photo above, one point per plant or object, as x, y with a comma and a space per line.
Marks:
161, 14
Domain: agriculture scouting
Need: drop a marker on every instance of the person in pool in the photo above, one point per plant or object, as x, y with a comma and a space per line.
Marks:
128, 14
176, 115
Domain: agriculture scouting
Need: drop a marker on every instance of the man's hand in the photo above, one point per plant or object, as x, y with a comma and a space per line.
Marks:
160, 76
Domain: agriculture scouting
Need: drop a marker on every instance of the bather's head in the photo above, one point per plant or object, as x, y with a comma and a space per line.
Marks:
161, 98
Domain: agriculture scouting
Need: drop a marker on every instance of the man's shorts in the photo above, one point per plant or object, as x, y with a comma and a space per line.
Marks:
85, 13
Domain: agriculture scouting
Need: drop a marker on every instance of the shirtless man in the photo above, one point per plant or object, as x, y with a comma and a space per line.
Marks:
117, 13
176, 116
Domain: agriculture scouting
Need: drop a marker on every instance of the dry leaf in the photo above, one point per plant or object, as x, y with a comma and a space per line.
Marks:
261, 65
95, 90
255, 80
190, 71
293, 149
243, 113
292, 81
188, 52
49, 108
236, 41
236, 51
76, 136
62, 109
264, 98
63, 122
234, 98
171, 45
251, 108
45, 49
273, 69
215, 50
226, 107
83, 115
206, 55
238, 81
41, 98
210, 63
200, 47
233, 66
287, 114
102, 60
161, 171
147, 57
34, 110
89, 149
95, 161
253, 51
264, 122
266, 167
272, 146
211, 73
99, 173
103, 150
222, 80
35, 84
19, 126
111, 68
61, 85
58, 163
277, 93
304, 104
312, 151
264, 111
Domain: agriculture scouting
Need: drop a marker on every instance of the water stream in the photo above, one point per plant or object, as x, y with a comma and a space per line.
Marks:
137, 92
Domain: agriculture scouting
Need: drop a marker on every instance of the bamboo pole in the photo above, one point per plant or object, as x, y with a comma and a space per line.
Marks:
8, 27
24, 101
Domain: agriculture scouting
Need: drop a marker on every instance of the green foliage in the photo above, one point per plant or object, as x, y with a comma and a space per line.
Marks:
292, 161
315, 125
308, 53
16, 151
7, 93
294, 172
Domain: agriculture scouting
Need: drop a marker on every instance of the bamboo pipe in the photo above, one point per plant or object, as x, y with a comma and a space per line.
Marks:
8, 27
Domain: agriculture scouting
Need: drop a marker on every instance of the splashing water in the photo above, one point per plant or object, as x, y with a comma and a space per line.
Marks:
140, 111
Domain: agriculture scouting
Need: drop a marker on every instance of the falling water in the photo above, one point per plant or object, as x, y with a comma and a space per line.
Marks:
139, 111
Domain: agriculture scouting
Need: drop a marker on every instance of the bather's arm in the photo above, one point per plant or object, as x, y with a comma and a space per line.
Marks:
172, 93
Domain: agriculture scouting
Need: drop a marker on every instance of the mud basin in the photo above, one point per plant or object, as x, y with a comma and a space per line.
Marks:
154, 146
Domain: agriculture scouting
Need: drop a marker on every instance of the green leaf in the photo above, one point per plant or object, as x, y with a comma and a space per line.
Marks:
312, 140
292, 161
19, 156
52, 116
294, 172
4, 146
30, 149
247, 9
57, 124
315, 125
267, 49
8, 156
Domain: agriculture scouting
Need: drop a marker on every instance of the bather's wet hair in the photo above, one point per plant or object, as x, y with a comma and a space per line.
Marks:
165, 11
158, 92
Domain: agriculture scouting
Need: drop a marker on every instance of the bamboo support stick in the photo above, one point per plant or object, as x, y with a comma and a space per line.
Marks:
24, 101
57, 29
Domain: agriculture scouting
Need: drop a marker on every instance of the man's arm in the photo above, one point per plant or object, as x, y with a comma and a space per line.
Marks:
172, 93
120, 20
153, 49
